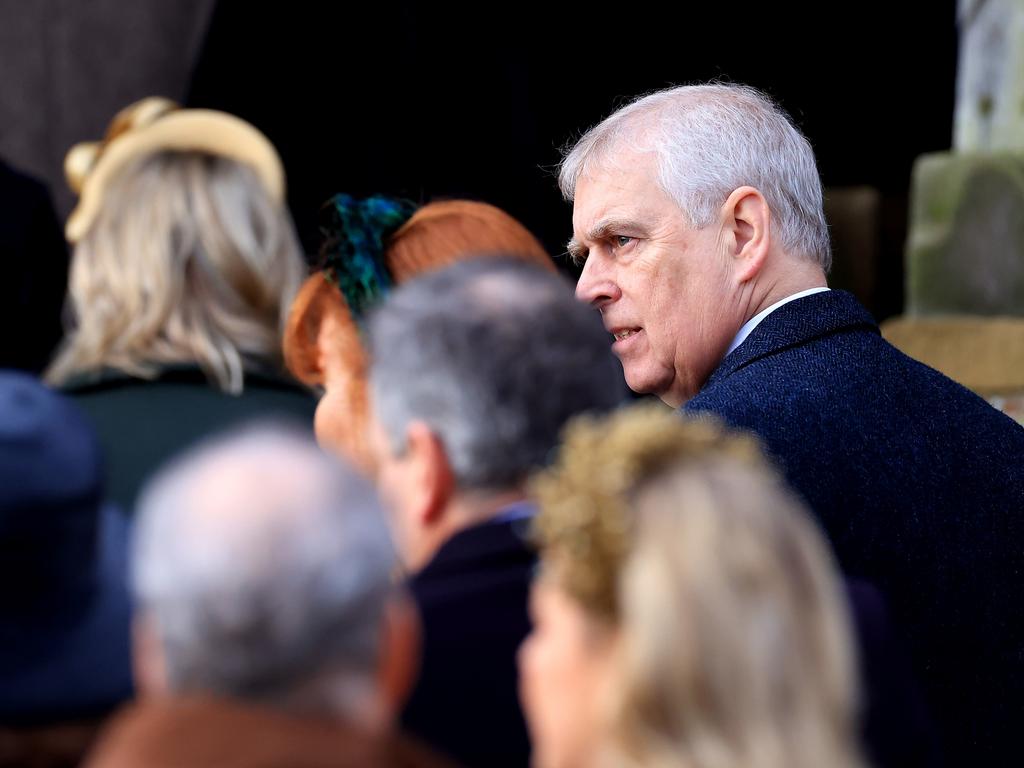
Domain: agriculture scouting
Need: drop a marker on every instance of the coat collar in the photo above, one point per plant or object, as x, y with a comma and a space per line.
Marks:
795, 323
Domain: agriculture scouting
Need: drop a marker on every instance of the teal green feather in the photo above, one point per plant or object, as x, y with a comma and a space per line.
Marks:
357, 233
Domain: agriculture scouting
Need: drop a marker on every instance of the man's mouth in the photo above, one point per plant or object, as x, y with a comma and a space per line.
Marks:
624, 333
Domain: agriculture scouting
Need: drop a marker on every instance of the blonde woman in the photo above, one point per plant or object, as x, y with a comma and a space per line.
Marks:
185, 263
688, 612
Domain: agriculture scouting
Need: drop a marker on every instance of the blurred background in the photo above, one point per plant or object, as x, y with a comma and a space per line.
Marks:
915, 111
433, 100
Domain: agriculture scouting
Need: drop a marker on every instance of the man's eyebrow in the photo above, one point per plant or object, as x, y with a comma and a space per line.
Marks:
603, 229
577, 251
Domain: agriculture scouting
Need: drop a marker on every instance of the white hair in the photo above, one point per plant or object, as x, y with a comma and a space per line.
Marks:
709, 140
265, 565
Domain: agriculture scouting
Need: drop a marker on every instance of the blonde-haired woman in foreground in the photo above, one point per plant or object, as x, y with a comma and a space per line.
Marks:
688, 612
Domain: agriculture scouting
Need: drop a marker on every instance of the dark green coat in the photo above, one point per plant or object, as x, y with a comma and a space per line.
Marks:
142, 423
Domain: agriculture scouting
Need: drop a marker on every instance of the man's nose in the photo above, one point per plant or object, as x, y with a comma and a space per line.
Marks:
597, 286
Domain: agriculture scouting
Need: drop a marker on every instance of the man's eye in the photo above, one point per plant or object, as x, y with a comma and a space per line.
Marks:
622, 240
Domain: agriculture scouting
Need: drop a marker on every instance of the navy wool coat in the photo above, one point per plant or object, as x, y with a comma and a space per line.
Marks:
919, 484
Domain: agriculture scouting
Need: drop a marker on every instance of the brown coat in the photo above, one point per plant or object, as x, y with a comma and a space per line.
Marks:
54, 745
194, 732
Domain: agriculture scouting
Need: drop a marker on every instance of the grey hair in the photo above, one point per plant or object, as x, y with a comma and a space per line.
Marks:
495, 356
266, 566
709, 140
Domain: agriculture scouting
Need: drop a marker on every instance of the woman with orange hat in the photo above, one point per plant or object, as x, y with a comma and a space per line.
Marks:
372, 244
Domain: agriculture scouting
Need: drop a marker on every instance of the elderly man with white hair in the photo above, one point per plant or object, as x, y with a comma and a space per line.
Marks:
698, 221
268, 630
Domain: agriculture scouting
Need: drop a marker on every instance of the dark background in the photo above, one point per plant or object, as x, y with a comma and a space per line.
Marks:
461, 100
476, 100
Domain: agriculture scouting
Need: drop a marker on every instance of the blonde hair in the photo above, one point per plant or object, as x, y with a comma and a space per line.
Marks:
735, 641
189, 261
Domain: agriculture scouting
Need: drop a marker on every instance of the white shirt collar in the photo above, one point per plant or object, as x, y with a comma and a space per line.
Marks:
753, 322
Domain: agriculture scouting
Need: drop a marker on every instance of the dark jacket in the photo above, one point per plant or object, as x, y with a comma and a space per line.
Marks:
919, 484
473, 601
142, 423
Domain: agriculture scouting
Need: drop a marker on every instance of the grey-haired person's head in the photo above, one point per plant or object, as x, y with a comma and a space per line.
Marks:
495, 356
707, 140
263, 568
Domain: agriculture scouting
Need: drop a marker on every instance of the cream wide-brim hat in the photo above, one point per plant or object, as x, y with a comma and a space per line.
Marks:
159, 125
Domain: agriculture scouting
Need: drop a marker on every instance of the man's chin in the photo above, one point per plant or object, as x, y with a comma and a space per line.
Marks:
642, 383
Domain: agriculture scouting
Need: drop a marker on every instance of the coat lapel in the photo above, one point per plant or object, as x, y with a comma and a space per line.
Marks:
796, 323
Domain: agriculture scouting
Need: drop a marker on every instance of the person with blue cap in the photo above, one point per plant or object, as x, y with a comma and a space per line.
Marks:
65, 614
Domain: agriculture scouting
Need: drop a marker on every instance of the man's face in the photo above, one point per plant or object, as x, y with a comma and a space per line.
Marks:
663, 288
566, 670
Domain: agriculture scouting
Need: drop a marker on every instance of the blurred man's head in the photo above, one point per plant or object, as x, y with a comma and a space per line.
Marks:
475, 370
263, 572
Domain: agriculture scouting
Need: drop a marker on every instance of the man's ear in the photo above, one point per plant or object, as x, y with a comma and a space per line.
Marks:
434, 481
149, 662
746, 226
